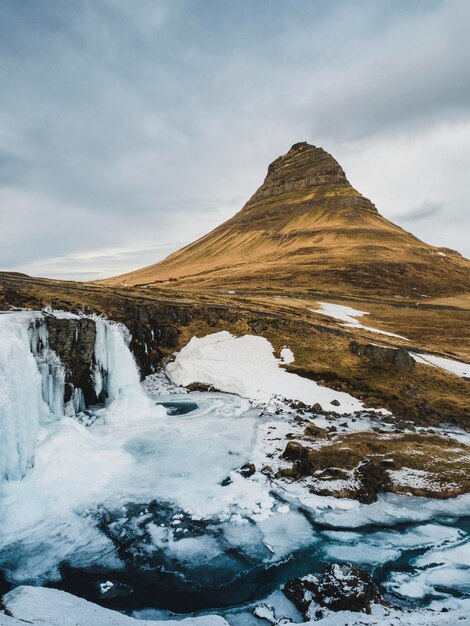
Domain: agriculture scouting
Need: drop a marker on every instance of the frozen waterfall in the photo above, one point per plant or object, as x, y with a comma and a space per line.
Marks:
21, 400
32, 383
115, 369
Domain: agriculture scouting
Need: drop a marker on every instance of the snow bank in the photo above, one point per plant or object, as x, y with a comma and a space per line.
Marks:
247, 366
39, 606
382, 616
348, 315
454, 367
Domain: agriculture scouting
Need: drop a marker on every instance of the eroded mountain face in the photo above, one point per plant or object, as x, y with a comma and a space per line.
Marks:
307, 228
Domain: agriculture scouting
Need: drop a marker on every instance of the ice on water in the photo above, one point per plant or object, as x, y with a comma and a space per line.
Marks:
137, 453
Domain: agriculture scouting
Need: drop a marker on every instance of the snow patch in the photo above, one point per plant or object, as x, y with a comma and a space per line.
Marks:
287, 356
454, 367
247, 366
39, 606
348, 315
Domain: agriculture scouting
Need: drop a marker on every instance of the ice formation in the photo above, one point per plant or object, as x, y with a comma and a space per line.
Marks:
32, 383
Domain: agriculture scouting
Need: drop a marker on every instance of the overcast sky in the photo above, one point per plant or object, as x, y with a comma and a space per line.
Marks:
129, 128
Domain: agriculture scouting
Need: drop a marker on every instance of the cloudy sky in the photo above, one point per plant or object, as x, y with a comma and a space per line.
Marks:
129, 128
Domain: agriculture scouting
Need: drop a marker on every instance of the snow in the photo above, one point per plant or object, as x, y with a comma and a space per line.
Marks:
408, 477
287, 356
445, 567
39, 606
348, 315
383, 616
454, 367
247, 366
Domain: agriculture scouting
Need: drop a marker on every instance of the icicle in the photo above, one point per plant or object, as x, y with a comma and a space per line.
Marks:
49, 365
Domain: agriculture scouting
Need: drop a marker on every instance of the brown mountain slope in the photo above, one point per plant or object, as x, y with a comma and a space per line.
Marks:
307, 228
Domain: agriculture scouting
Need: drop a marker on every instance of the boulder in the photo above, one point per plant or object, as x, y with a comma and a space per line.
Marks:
383, 356
341, 587
373, 479
247, 470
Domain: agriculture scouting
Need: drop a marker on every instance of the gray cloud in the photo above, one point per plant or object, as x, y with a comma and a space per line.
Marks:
428, 208
123, 124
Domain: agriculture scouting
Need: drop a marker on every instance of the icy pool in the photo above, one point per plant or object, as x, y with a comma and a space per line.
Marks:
152, 512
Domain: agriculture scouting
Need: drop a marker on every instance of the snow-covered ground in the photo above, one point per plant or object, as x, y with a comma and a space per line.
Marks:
247, 366
454, 367
348, 315
39, 606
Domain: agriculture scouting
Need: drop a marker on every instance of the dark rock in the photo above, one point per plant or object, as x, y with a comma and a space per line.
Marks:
199, 387
314, 431
398, 358
373, 479
424, 409
5, 587
303, 463
317, 408
295, 451
335, 402
257, 326
247, 470
403, 360
73, 340
333, 473
302, 592
342, 587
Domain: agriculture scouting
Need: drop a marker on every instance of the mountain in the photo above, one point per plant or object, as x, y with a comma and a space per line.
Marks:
307, 228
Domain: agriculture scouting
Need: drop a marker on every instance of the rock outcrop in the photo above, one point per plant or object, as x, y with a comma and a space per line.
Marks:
364, 464
73, 340
341, 587
383, 356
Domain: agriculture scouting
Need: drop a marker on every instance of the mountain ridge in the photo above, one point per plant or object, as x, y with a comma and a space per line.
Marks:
307, 226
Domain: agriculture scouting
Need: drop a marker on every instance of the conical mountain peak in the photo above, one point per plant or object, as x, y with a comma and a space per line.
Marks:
305, 156
307, 228
307, 174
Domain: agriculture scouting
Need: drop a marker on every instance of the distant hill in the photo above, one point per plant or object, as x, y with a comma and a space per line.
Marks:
307, 228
